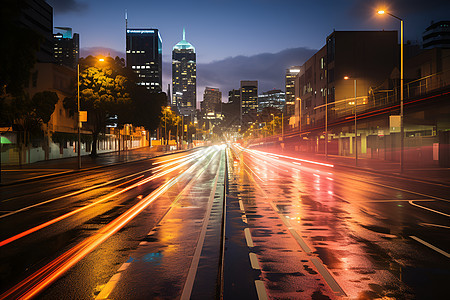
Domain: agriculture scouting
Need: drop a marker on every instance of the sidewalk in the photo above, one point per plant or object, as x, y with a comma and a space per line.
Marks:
55, 167
413, 170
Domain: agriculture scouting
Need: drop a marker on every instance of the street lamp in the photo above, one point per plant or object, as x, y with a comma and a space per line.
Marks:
79, 118
165, 124
381, 12
356, 129
273, 127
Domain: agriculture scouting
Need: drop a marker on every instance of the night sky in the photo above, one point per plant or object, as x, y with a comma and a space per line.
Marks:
226, 32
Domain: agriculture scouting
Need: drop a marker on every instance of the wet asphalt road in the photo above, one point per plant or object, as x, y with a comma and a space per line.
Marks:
293, 230
152, 214
321, 232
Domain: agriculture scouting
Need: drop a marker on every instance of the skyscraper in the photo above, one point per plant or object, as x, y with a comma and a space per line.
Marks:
212, 103
144, 56
291, 73
67, 47
38, 16
249, 96
184, 78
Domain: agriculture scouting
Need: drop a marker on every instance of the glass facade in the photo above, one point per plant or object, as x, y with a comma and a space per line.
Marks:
184, 77
249, 96
144, 56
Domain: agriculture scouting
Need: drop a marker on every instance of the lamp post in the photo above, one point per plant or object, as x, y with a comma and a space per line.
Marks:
326, 122
165, 126
79, 118
273, 126
356, 128
381, 12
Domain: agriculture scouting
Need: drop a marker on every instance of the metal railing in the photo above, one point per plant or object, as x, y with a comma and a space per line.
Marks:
378, 99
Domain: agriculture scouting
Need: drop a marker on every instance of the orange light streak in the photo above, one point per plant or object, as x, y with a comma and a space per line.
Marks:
38, 281
294, 158
66, 215
34, 284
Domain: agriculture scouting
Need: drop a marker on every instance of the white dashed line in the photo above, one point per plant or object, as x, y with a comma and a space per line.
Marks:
261, 290
241, 206
109, 287
300, 241
254, 261
328, 277
423, 207
248, 237
430, 246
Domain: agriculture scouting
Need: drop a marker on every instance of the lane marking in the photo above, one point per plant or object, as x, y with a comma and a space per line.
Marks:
42, 278
254, 261
109, 287
335, 287
153, 231
430, 246
423, 207
244, 218
261, 290
286, 222
189, 283
124, 267
300, 241
248, 237
252, 171
434, 225
241, 205
403, 190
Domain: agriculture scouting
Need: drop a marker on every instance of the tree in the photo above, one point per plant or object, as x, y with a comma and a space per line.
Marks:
169, 121
147, 108
104, 91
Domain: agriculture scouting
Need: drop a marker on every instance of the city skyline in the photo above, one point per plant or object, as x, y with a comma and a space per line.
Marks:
224, 33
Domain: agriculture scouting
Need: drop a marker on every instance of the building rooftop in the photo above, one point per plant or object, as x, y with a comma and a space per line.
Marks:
183, 44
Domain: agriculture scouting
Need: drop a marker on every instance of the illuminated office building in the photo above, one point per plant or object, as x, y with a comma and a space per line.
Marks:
291, 73
249, 96
184, 78
66, 47
144, 57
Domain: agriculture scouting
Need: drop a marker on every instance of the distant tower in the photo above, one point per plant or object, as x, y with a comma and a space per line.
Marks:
144, 56
184, 78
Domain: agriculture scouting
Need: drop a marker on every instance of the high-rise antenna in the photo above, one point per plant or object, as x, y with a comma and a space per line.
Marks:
184, 34
126, 19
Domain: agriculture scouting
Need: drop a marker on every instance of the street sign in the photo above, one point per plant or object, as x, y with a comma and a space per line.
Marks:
83, 116
395, 123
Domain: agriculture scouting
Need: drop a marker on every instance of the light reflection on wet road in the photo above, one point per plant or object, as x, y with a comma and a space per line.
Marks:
307, 219
295, 229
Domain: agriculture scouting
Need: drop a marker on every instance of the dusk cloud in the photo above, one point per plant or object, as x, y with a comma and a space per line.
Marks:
268, 68
67, 6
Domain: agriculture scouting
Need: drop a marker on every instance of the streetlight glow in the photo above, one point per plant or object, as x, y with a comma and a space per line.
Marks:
101, 59
402, 129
